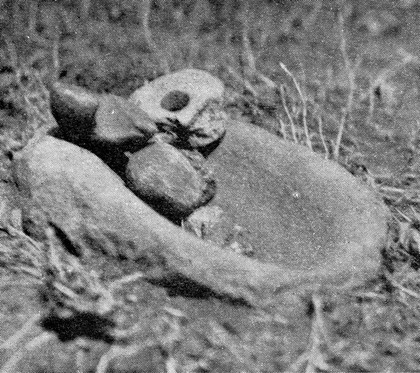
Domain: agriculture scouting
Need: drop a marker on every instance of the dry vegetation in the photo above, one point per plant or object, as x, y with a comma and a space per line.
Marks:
297, 69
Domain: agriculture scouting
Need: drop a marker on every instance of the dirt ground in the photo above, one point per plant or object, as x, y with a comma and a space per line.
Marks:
357, 65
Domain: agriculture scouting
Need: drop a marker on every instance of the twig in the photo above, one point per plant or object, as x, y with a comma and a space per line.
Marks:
145, 16
340, 134
311, 360
351, 78
404, 289
282, 126
267, 81
321, 135
250, 59
371, 104
125, 280
303, 100
286, 109
248, 86
56, 57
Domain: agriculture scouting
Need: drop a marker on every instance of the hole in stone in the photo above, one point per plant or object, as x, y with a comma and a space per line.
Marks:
175, 101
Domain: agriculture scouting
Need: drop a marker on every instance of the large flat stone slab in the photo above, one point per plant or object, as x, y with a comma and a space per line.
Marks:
301, 212
96, 213
311, 222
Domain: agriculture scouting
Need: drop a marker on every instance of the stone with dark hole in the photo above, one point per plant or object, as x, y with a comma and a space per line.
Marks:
200, 87
175, 101
190, 100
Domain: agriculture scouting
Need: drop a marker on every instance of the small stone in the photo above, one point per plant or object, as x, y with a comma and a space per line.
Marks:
210, 223
132, 298
74, 108
91, 120
178, 96
120, 122
179, 101
203, 221
198, 161
209, 128
163, 177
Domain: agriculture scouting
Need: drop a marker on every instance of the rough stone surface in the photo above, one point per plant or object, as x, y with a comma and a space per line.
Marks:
10, 212
119, 122
208, 129
96, 213
193, 113
303, 212
162, 176
310, 221
211, 223
199, 85
74, 108
99, 121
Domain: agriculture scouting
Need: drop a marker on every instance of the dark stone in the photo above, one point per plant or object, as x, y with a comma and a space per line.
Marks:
121, 123
163, 177
74, 109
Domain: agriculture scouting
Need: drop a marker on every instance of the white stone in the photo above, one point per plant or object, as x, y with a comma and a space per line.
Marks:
200, 86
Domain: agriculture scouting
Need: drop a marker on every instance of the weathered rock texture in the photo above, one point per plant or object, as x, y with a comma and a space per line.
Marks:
120, 123
94, 121
188, 101
304, 213
163, 177
10, 213
208, 129
273, 188
74, 108
178, 96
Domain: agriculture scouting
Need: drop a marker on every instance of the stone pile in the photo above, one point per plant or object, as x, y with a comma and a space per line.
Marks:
109, 174
149, 140
304, 220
